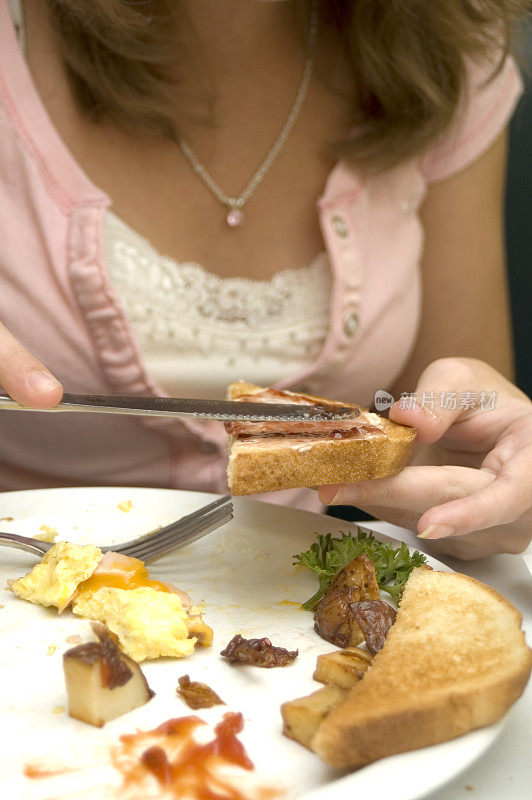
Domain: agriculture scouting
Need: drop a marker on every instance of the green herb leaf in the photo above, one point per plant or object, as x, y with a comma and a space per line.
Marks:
329, 555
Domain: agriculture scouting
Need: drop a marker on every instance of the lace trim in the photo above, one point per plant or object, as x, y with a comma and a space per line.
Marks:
166, 300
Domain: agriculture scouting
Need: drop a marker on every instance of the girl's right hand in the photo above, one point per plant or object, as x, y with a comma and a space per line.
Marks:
23, 377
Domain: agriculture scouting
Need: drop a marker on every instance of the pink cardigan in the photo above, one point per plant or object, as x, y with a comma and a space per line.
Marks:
56, 298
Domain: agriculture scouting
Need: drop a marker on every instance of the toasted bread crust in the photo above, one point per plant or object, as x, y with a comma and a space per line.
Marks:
315, 462
455, 660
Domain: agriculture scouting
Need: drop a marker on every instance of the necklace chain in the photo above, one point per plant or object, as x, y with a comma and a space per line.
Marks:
235, 204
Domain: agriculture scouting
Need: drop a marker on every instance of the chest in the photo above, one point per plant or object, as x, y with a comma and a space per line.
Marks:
155, 190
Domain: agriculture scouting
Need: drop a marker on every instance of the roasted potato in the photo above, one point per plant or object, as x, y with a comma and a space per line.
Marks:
333, 616
342, 668
302, 717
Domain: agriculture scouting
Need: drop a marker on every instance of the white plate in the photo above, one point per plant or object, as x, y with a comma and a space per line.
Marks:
244, 576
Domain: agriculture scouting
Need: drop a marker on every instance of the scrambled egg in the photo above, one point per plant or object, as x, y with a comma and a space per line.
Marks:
150, 618
54, 581
148, 623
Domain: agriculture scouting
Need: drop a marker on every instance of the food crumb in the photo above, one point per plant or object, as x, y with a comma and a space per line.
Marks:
48, 534
51, 649
1, 605
125, 505
36, 770
10, 582
469, 788
6, 519
196, 694
74, 638
59, 710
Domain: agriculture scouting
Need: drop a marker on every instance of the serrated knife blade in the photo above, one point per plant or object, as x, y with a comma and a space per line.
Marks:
221, 410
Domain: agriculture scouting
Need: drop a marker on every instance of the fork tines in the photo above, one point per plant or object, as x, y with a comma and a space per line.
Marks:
185, 530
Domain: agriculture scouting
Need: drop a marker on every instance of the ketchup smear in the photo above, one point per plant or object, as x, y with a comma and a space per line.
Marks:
192, 769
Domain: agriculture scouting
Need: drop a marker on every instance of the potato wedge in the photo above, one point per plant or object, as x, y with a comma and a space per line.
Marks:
302, 717
101, 682
342, 668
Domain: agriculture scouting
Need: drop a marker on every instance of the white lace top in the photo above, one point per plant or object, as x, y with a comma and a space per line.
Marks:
198, 332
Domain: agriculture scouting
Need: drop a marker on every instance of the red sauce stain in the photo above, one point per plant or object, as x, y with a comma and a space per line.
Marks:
184, 767
156, 761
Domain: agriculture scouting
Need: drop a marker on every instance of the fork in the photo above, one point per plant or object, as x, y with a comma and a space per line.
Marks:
152, 545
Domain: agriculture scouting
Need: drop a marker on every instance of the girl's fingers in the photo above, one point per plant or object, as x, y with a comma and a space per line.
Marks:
484, 418
505, 499
23, 377
483, 543
452, 390
415, 489
448, 501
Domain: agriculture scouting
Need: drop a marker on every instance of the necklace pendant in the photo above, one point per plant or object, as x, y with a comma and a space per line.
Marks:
235, 218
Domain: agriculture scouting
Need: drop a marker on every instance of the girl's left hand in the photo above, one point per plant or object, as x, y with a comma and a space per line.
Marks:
477, 501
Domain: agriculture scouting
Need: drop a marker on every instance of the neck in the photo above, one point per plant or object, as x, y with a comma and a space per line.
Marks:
236, 48
236, 32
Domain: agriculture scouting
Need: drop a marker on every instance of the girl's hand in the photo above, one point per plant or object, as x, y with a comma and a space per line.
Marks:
478, 500
24, 378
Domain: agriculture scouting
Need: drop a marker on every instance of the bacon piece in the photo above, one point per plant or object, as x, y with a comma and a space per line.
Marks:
356, 427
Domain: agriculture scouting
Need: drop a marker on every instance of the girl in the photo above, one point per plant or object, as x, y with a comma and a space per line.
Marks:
305, 194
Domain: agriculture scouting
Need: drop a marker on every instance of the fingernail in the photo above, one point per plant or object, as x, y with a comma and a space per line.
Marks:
42, 382
437, 532
328, 494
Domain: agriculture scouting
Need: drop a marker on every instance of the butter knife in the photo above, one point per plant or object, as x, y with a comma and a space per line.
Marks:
222, 410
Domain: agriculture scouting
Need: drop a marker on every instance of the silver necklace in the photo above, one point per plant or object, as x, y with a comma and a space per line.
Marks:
234, 205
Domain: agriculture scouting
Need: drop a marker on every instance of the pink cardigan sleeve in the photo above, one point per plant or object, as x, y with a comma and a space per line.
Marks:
483, 114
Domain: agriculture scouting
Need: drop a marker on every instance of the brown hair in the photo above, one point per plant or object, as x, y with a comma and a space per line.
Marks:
408, 57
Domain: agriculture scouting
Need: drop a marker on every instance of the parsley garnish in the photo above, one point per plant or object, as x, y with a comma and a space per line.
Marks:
329, 555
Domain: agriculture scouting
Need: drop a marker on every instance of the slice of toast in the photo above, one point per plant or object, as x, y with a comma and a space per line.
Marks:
272, 457
455, 660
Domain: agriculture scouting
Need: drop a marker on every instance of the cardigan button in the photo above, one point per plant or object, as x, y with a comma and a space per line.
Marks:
350, 323
339, 226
